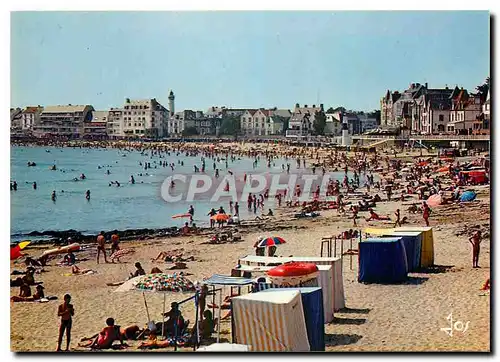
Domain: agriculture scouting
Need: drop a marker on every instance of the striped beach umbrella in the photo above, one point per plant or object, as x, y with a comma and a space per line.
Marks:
270, 241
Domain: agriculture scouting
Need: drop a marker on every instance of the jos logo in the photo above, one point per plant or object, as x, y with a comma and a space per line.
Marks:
455, 326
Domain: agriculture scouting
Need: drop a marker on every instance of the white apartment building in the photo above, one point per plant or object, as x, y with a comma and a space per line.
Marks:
263, 122
114, 125
143, 118
302, 120
30, 116
334, 125
63, 121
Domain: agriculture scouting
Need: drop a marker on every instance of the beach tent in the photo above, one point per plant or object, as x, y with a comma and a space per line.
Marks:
270, 322
468, 196
312, 303
325, 282
427, 240
412, 241
427, 252
336, 264
382, 260
224, 280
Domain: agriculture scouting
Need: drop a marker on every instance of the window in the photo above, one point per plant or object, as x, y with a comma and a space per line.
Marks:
441, 118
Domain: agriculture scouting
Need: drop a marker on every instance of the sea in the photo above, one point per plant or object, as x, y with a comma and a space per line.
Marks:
130, 206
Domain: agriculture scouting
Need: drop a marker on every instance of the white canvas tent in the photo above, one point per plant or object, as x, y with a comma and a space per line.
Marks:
270, 322
336, 264
325, 281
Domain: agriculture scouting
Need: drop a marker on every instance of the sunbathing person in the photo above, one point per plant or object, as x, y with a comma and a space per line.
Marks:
108, 335
32, 262
25, 295
207, 324
78, 271
375, 216
174, 317
156, 270
139, 271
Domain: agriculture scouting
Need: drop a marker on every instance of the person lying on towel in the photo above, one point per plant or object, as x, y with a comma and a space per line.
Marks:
375, 216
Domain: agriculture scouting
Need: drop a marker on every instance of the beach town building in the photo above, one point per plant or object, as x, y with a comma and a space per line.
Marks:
15, 119
387, 118
465, 111
96, 128
482, 124
114, 125
144, 118
30, 116
264, 122
302, 120
367, 123
334, 124
432, 112
66, 121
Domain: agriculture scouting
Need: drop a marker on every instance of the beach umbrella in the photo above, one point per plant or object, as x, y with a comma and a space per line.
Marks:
158, 283
434, 200
15, 251
220, 217
444, 169
467, 196
271, 241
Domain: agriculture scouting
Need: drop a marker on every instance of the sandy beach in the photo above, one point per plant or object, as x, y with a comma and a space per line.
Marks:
404, 317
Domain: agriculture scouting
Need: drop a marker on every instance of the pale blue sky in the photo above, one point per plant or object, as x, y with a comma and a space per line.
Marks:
242, 59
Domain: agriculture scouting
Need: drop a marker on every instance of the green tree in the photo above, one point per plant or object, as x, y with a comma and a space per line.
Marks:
190, 131
319, 123
230, 126
330, 110
482, 90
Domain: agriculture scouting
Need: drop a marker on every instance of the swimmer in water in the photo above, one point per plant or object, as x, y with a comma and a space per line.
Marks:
53, 196
107, 172
34, 185
172, 184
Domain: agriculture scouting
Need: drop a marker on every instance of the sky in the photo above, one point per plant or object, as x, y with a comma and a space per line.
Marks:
242, 59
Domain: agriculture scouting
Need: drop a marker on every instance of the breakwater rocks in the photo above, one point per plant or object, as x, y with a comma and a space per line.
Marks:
61, 237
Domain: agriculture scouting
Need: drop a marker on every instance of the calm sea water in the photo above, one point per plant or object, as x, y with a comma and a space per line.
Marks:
130, 206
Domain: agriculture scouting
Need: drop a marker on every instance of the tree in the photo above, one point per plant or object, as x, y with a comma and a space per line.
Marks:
375, 114
230, 125
190, 131
319, 123
330, 110
482, 90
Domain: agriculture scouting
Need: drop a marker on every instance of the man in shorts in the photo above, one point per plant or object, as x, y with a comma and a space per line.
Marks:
101, 242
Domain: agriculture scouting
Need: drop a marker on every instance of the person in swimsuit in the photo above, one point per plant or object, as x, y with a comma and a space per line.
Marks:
108, 335
475, 240
139, 271
101, 241
115, 240
66, 312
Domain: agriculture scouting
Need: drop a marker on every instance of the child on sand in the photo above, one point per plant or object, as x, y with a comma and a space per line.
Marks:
475, 240
66, 312
427, 213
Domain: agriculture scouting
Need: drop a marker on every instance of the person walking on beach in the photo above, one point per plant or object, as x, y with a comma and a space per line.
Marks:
427, 213
236, 209
212, 213
66, 312
398, 218
115, 240
191, 213
475, 240
101, 241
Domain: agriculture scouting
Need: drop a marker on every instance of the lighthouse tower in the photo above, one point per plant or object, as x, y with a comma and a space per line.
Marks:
346, 139
171, 103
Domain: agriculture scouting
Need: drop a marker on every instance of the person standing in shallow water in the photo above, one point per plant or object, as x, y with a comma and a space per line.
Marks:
34, 185
87, 195
66, 312
53, 196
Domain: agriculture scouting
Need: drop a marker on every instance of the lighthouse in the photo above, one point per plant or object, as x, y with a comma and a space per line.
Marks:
171, 104
346, 139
